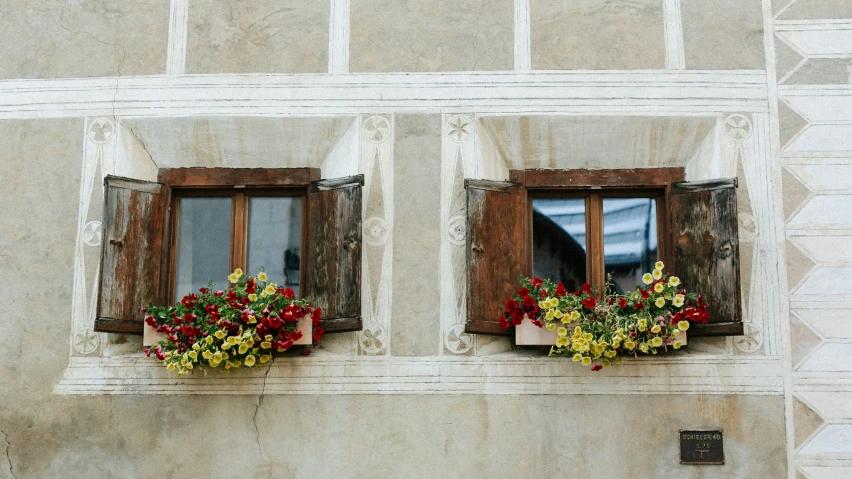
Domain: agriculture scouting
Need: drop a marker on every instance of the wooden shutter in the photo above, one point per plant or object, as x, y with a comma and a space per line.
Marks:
497, 246
134, 253
334, 252
704, 221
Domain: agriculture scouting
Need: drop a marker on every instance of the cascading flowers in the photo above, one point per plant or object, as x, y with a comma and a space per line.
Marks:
242, 326
593, 332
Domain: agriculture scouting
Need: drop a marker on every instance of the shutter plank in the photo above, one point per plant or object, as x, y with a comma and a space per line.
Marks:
496, 250
334, 252
704, 219
133, 256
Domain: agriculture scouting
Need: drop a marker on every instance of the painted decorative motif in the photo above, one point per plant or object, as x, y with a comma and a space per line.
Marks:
377, 129
752, 339
457, 230
373, 339
376, 230
101, 130
86, 341
747, 228
457, 341
92, 234
459, 128
738, 127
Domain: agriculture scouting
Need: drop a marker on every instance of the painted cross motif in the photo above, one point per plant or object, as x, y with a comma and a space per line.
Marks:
738, 127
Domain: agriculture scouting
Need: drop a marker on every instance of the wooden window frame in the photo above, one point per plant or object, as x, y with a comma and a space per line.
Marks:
594, 186
239, 184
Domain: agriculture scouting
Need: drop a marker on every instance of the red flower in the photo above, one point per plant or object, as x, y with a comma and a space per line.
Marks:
645, 294
306, 352
543, 294
523, 292
590, 302
511, 305
528, 302
295, 336
560, 290
596, 367
537, 282
587, 288
203, 290
150, 321
537, 323
318, 332
504, 323
147, 352
639, 306
288, 294
517, 320
622, 303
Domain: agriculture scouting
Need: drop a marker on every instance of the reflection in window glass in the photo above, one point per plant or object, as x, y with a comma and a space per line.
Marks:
274, 238
203, 244
559, 240
630, 240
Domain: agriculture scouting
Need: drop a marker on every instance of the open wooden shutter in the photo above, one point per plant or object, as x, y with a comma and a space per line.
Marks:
334, 252
134, 252
704, 221
497, 247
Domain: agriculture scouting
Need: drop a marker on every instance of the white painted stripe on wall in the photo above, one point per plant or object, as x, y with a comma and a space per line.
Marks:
523, 53
338, 37
673, 30
178, 26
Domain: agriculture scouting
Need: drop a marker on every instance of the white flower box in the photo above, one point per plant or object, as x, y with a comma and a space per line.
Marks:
528, 334
150, 336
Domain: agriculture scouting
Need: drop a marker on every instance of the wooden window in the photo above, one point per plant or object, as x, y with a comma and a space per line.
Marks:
579, 226
199, 224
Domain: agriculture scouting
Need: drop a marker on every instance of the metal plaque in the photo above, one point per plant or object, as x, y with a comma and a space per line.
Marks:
701, 447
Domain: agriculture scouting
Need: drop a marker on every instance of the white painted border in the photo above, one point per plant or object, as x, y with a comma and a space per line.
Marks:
338, 37
673, 30
523, 53
178, 27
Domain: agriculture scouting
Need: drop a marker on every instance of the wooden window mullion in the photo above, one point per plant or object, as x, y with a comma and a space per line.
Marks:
595, 240
239, 231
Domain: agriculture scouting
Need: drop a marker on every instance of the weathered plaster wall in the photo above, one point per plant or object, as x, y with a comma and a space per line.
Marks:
629, 84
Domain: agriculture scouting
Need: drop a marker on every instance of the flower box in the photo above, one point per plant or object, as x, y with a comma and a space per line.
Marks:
150, 336
528, 334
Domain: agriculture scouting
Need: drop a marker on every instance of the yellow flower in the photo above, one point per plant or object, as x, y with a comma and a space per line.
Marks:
243, 348
676, 332
189, 366
678, 300
606, 363
647, 279
587, 336
562, 332
643, 324
268, 337
577, 357
657, 342
226, 345
643, 347
266, 345
217, 356
543, 304
586, 361
656, 329
578, 331
683, 325
252, 297
629, 345
225, 356
657, 274
677, 344
550, 326
262, 276
196, 346
250, 360
219, 334
575, 315
252, 319
549, 315
270, 289
265, 358
554, 302
659, 265
209, 339
561, 342
170, 366
558, 314
235, 276
658, 287
674, 281
232, 340
610, 353
193, 354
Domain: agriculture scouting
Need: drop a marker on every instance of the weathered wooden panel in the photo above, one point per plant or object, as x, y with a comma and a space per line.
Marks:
133, 255
704, 219
613, 178
334, 251
222, 177
497, 246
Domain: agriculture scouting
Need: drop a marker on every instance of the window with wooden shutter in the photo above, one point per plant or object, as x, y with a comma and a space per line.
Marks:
134, 255
497, 246
334, 251
704, 219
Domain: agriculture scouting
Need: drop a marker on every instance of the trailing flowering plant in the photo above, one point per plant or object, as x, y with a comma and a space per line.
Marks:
242, 326
594, 332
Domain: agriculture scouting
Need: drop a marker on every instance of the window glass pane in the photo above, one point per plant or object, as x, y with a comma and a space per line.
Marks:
203, 244
559, 240
630, 240
274, 238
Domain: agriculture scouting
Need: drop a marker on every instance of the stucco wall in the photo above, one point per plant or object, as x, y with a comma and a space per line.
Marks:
753, 89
